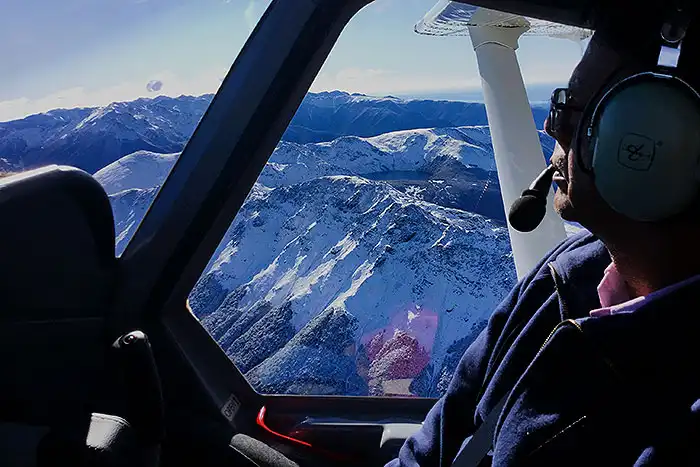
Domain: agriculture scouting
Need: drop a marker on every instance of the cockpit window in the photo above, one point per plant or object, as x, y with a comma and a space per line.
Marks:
373, 247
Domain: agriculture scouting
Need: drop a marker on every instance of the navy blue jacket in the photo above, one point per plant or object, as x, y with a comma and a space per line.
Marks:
613, 390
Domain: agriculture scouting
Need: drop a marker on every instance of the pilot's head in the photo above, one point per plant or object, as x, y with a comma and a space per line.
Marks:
615, 52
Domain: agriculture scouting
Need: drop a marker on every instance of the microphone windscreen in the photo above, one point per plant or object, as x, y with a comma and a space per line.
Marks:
527, 212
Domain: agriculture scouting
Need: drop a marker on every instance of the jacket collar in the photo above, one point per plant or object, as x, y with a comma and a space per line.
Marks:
577, 273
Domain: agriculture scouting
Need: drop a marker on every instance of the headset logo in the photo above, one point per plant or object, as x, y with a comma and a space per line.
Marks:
636, 151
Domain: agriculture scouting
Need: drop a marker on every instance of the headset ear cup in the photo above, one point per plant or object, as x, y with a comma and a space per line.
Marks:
646, 143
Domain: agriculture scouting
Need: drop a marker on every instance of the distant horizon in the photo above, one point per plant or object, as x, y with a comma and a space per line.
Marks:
146, 48
538, 93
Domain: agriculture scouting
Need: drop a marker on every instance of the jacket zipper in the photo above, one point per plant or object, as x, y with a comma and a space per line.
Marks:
506, 406
558, 286
568, 322
558, 283
608, 362
516, 332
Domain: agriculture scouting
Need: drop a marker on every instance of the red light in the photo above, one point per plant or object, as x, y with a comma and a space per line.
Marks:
261, 422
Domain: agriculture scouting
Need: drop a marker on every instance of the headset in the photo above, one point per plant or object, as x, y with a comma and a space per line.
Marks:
643, 137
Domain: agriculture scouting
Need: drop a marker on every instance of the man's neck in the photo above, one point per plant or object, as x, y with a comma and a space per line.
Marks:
652, 259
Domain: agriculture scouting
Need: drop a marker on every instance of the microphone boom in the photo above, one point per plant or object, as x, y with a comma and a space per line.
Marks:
528, 211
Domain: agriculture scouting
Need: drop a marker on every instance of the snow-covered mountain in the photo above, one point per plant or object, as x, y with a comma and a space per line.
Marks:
92, 138
355, 266
132, 183
141, 170
357, 114
400, 151
347, 263
450, 167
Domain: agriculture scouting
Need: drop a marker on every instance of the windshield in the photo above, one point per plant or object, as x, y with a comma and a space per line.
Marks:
373, 248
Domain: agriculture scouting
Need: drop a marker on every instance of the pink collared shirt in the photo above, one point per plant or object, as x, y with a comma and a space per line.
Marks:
614, 298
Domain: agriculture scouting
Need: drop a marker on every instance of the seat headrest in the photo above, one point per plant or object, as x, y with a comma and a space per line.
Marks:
57, 237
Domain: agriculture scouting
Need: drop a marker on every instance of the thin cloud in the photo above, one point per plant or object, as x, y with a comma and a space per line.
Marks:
380, 81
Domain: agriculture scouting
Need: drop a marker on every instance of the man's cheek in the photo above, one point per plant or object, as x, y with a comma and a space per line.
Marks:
559, 197
579, 180
562, 203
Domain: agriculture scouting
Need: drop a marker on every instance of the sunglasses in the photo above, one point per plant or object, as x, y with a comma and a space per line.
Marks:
560, 123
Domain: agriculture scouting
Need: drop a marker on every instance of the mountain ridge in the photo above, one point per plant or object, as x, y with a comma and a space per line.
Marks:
93, 137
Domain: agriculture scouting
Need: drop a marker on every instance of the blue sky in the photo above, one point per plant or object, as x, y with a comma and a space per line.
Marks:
71, 53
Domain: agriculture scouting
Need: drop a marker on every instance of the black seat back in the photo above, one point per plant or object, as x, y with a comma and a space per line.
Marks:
57, 276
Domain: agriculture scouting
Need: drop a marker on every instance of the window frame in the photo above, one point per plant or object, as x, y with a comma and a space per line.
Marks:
208, 185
